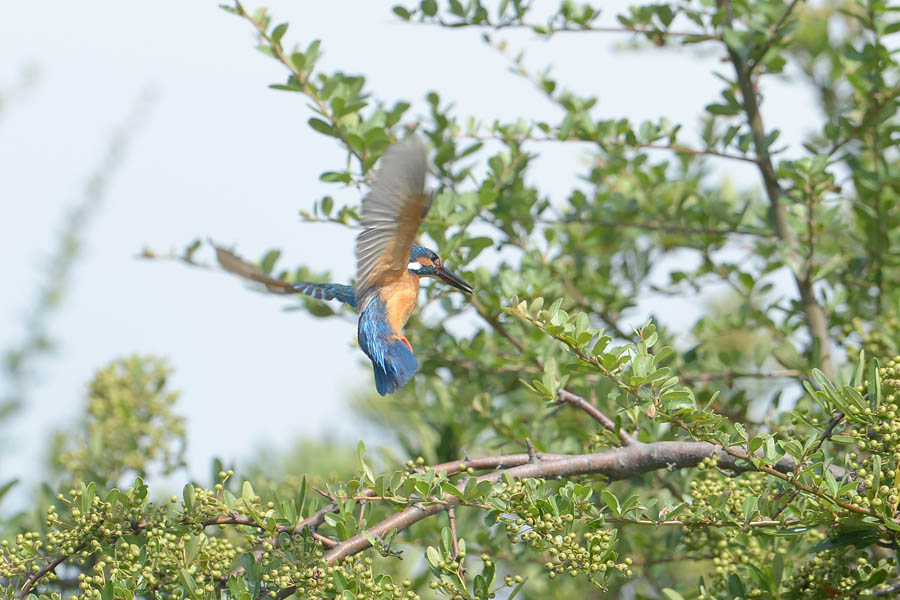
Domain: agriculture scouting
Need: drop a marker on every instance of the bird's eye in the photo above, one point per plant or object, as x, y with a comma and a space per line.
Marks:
436, 261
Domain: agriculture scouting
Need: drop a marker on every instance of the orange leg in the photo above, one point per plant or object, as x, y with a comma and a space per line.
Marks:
402, 338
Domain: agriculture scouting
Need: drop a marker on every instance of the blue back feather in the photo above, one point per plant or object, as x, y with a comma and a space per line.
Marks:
328, 291
393, 363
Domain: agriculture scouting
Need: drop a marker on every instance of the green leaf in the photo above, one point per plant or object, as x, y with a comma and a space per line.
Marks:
665, 14
860, 369
451, 489
369, 538
279, 32
401, 12
322, 127
188, 494
360, 452
247, 492
515, 591
335, 177
874, 385
671, 594
429, 7
433, 557
736, 587
326, 205
787, 355
749, 506
611, 501
722, 109
268, 261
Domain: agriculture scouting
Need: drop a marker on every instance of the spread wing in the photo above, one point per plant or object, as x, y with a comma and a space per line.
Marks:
391, 215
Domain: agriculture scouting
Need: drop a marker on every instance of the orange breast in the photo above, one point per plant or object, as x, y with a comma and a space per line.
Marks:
400, 297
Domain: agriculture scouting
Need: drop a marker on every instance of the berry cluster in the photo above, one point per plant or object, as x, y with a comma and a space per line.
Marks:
569, 531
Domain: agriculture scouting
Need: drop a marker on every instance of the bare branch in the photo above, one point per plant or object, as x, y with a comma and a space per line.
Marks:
568, 397
617, 464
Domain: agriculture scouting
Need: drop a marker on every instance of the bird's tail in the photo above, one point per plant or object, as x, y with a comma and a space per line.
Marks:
392, 359
328, 291
397, 367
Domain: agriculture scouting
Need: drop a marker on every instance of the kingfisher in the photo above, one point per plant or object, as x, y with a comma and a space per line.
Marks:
389, 265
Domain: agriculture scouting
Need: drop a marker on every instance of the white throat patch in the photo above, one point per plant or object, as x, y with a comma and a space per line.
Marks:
415, 266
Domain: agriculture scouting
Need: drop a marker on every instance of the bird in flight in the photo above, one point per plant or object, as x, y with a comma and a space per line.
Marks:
389, 265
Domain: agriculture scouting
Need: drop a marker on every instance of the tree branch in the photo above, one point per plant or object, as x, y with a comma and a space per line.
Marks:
579, 29
615, 465
568, 397
49, 568
816, 321
773, 35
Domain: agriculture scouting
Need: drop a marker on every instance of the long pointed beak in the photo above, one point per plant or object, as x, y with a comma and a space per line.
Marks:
452, 280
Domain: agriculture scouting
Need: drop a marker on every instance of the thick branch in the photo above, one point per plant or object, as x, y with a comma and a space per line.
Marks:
617, 464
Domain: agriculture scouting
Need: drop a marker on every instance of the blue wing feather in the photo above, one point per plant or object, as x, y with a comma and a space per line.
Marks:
328, 291
393, 363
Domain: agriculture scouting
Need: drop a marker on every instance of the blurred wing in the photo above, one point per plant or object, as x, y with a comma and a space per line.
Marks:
391, 215
233, 263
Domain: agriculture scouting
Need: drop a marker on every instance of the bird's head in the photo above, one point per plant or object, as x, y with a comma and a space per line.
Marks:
426, 263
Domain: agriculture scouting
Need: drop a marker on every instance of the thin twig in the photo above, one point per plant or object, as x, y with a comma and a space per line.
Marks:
451, 515
565, 396
49, 568
326, 541
826, 435
573, 29
573, 137
705, 377
867, 120
753, 61
532, 453
654, 227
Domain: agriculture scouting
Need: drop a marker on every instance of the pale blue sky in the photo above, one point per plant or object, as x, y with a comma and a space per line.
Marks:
222, 155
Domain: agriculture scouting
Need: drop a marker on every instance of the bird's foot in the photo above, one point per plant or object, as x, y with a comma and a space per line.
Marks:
406, 341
